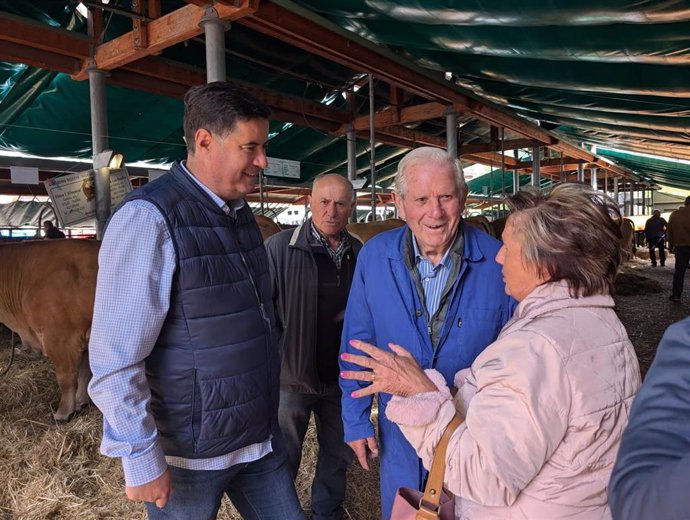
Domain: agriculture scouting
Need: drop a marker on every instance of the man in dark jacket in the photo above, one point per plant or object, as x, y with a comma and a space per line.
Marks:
51, 231
312, 268
183, 345
655, 233
651, 477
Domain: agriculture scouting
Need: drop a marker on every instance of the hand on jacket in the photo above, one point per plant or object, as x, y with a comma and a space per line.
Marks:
365, 449
157, 491
396, 373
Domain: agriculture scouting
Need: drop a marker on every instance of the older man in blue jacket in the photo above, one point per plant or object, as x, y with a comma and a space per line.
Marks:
651, 478
433, 286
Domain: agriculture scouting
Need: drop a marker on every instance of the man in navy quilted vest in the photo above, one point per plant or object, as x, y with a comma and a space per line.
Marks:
183, 344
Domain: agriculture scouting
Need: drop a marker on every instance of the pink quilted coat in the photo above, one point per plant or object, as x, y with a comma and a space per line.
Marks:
545, 407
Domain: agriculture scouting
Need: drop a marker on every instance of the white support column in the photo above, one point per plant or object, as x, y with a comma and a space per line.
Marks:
516, 175
352, 164
451, 132
580, 172
214, 32
593, 178
372, 144
536, 163
99, 142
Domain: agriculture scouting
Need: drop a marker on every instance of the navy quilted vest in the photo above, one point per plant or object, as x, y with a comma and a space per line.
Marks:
214, 372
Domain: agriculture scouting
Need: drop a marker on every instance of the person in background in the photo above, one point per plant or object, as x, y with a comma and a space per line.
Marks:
545, 405
311, 269
678, 231
655, 233
651, 478
432, 284
183, 345
50, 231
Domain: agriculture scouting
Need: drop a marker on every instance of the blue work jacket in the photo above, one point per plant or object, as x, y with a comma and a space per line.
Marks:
384, 307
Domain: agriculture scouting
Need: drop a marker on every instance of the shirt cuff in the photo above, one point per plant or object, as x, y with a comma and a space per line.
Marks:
420, 409
144, 468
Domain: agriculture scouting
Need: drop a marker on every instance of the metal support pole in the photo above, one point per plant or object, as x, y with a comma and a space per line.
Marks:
536, 162
580, 172
516, 175
352, 164
372, 151
99, 142
214, 31
606, 182
451, 132
644, 202
632, 198
615, 192
593, 178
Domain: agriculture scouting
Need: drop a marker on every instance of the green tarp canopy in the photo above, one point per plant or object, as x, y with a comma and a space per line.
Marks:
611, 73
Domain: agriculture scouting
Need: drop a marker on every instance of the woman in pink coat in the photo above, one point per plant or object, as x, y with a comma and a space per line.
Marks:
545, 405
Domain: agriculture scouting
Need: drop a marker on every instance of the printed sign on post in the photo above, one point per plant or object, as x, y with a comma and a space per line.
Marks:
74, 195
282, 168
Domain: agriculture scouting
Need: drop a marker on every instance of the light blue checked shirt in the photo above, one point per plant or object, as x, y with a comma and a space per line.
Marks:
433, 278
136, 266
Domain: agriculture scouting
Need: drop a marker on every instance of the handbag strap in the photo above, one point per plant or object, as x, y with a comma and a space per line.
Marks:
429, 505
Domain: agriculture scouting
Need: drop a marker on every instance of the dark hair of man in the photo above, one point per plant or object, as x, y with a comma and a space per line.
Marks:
687, 200
573, 233
217, 107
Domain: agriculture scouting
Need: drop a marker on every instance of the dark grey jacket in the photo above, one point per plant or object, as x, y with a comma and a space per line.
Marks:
295, 292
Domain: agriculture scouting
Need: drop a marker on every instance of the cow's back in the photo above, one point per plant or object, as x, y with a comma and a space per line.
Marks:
47, 288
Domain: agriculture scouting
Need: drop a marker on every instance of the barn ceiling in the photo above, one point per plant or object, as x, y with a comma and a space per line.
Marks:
567, 75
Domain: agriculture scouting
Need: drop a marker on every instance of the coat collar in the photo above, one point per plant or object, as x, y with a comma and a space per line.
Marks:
553, 296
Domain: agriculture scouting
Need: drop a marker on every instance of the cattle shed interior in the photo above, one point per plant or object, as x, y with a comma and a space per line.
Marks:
590, 91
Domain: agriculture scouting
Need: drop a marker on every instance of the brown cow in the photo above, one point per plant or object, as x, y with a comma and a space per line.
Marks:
481, 223
47, 290
366, 230
267, 226
627, 240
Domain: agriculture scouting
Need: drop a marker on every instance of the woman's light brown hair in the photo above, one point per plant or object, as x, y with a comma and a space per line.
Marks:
573, 233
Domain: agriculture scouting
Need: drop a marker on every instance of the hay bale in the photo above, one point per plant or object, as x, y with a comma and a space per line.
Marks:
55, 471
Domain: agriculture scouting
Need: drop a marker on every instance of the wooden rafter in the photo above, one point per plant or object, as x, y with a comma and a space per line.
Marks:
513, 144
414, 114
161, 33
42, 37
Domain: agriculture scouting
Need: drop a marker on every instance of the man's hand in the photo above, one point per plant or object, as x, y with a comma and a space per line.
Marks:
157, 491
365, 449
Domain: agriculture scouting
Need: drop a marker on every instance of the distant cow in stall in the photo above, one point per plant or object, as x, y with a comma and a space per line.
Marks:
627, 242
366, 230
482, 224
47, 291
267, 226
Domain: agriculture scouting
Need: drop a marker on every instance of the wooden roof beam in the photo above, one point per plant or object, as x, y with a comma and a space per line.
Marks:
42, 37
18, 53
161, 33
392, 116
513, 144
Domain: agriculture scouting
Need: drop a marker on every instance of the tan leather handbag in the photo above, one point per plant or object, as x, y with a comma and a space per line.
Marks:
435, 503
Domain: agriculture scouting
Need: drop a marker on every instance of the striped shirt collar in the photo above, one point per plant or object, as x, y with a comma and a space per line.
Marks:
229, 207
419, 257
337, 255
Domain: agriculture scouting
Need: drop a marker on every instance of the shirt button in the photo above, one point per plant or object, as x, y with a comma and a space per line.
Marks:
418, 313
459, 322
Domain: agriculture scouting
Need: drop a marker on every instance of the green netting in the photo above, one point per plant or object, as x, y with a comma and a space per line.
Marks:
606, 72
